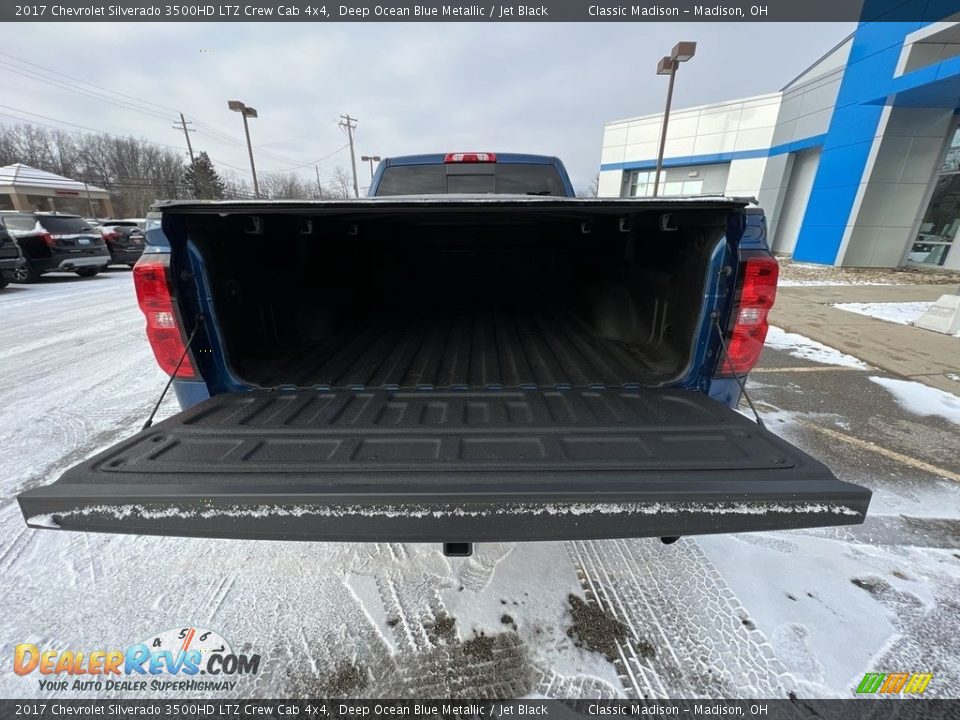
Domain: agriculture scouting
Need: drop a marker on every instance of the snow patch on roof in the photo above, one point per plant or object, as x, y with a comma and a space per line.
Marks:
22, 175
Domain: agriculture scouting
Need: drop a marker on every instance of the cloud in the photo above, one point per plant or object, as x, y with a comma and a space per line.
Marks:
415, 87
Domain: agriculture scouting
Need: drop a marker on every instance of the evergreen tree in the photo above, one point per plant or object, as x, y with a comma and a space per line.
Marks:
202, 179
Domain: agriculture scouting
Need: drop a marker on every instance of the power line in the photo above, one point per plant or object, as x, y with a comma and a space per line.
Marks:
85, 82
65, 122
216, 134
317, 161
209, 130
96, 130
80, 91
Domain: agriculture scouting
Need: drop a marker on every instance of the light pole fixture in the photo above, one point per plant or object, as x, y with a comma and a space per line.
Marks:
372, 159
247, 111
682, 52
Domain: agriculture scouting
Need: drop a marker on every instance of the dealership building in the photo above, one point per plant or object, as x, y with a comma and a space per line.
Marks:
856, 161
26, 188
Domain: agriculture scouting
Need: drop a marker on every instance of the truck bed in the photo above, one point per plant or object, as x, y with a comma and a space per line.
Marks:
530, 343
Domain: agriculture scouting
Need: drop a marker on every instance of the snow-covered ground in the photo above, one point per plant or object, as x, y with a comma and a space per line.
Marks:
798, 274
751, 615
902, 313
922, 399
804, 348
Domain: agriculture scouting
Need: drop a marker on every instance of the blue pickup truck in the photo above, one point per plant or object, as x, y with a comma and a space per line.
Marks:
470, 354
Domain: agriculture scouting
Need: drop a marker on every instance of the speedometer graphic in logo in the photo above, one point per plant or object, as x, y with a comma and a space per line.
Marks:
186, 639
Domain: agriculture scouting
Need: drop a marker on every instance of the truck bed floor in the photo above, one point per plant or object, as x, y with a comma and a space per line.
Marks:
476, 345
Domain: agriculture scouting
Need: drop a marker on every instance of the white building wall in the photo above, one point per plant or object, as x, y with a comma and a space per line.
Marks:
696, 135
796, 193
895, 186
764, 134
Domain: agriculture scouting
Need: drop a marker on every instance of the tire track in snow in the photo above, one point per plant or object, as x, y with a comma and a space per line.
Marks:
219, 594
15, 550
673, 598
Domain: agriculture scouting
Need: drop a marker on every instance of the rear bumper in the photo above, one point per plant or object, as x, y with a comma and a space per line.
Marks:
125, 256
459, 466
8, 265
281, 515
60, 263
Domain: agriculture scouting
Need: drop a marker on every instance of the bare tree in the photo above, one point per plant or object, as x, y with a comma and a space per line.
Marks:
592, 190
286, 186
135, 171
340, 186
236, 187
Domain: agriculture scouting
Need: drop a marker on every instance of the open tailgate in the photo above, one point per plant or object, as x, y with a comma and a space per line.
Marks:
454, 466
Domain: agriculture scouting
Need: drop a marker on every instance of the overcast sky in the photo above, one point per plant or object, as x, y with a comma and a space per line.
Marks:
430, 87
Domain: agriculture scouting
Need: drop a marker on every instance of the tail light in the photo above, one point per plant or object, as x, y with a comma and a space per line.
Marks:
473, 157
756, 292
48, 239
151, 278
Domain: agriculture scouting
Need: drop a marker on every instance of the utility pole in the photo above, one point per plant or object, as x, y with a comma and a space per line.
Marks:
186, 134
350, 124
319, 186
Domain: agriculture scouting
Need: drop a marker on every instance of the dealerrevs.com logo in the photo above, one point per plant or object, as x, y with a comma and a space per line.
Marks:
183, 659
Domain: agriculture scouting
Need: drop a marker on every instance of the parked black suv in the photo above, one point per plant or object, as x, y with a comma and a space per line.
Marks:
10, 258
55, 242
124, 240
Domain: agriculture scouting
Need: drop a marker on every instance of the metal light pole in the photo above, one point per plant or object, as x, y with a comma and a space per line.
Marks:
371, 159
682, 52
247, 111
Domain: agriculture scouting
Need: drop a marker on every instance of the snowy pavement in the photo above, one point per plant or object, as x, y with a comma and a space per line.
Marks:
751, 615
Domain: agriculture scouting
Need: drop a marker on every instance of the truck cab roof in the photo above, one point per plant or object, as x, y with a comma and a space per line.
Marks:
472, 172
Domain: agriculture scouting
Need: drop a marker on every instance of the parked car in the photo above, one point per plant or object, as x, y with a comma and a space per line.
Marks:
55, 242
124, 240
454, 368
11, 259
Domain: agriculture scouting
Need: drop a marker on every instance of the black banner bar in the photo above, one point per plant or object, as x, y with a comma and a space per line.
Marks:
479, 11
232, 709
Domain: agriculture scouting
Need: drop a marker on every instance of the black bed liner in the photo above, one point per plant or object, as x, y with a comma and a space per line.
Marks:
455, 466
536, 342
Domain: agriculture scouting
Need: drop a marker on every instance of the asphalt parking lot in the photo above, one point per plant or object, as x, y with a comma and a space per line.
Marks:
752, 615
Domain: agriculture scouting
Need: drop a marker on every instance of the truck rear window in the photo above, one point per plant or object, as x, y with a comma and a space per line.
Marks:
482, 178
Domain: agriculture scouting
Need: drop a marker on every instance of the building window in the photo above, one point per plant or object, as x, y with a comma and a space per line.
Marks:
640, 184
941, 221
39, 203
